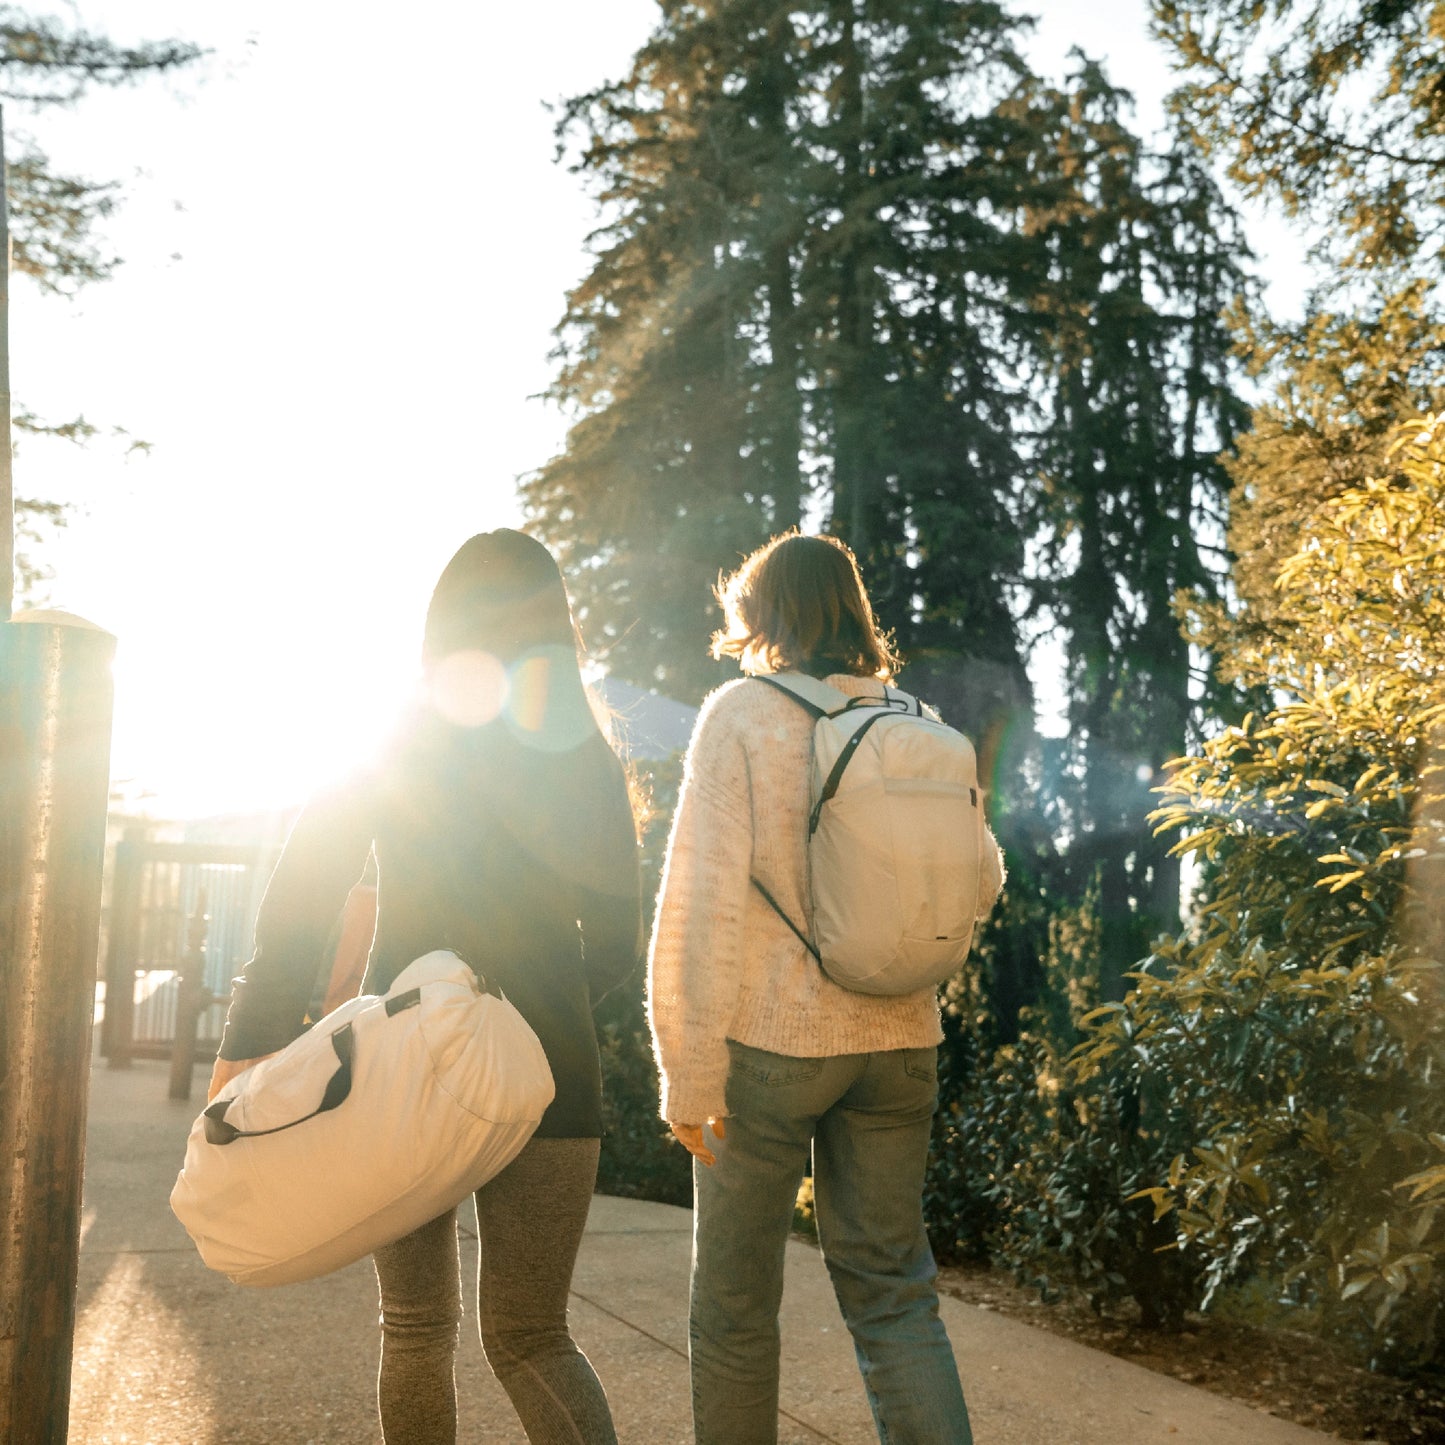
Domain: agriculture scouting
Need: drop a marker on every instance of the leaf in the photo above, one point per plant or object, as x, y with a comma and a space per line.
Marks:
1161, 1199
1425, 1181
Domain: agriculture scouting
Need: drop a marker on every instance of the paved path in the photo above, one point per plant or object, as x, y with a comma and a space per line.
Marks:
169, 1354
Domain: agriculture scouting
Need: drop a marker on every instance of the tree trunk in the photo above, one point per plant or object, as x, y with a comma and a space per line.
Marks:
852, 479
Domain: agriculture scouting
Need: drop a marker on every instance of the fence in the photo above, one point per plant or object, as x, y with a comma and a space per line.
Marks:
181, 920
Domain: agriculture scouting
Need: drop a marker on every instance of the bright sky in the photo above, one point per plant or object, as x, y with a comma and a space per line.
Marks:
346, 244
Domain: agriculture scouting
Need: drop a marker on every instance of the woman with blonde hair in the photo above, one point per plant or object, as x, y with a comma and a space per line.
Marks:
501, 828
763, 1056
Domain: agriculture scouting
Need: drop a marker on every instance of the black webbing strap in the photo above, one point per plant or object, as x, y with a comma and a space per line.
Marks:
777, 908
399, 1003
835, 773
886, 706
338, 1086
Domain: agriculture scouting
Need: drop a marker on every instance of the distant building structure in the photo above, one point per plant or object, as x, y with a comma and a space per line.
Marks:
267, 829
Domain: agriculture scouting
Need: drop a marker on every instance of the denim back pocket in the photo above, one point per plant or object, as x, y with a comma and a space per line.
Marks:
764, 1067
921, 1064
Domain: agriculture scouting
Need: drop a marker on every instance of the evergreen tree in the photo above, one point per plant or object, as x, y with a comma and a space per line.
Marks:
1336, 111
1140, 257
858, 266
54, 216
795, 310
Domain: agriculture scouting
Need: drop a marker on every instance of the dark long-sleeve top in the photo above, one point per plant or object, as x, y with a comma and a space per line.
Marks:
522, 861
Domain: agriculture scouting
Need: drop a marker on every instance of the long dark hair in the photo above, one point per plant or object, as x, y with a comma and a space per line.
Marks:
504, 752
500, 643
502, 592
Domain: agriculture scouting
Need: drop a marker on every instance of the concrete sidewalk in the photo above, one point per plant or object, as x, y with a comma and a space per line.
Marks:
169, 1354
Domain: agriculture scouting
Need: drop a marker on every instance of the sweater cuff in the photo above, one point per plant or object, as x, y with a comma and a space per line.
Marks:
694, 1102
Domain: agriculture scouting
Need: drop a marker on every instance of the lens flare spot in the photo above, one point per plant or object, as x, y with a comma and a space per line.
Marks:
469, 688
547, 709
531, 681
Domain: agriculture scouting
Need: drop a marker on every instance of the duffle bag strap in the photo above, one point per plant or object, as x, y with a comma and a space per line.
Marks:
338, 1086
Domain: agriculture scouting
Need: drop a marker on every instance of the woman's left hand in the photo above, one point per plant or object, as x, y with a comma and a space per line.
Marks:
690, 1136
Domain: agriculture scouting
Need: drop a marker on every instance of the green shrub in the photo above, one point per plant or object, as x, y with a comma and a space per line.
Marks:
1069, 1216
1035, 1169
1298, 1025
640, 1158
986, 1109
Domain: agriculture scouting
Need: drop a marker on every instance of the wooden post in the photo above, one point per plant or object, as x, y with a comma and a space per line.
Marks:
118, 1024
190, 990
55, 718
7, 486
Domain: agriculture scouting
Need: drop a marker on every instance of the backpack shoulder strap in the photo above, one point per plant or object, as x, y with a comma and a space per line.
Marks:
815, 697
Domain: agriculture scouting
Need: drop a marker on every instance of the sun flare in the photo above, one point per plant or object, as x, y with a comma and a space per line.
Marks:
291, 725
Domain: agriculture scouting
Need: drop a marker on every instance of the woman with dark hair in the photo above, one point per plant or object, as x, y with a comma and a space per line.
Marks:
501, 828
749, 1030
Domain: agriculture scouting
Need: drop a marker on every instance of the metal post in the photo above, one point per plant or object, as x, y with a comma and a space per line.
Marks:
55, 720
190, 999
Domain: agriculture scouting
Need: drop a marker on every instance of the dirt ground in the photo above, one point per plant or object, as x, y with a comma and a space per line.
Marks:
1289, 1375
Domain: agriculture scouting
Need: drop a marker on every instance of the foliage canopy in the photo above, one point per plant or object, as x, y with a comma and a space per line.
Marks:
1335, 109
54, 216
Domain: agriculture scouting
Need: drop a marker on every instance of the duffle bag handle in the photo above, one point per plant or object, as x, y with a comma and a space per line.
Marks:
338, 1086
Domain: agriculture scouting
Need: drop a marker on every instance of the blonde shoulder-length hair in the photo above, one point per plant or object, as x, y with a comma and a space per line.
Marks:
798, 603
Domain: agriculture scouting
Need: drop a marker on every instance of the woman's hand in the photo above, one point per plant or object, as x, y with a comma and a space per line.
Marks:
690, 1136
226, 1070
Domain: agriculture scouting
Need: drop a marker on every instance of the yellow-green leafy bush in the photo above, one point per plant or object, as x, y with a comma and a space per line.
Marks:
1298, 1025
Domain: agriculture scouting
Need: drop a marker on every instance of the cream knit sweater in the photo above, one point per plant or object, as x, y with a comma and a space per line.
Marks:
722, 964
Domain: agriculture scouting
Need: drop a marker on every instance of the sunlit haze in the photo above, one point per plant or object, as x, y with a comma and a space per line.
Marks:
345, 244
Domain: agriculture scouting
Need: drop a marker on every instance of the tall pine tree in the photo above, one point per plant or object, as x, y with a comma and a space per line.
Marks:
858, 267
1139, 259
1336, 111
795, 311
54, 216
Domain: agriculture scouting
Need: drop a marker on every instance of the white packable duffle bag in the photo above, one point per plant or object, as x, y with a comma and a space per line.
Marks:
383, 1115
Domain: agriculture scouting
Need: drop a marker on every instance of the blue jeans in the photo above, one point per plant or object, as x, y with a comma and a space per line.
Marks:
868, 1118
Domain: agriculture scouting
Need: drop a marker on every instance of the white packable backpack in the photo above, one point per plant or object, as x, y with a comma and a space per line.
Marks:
895, 839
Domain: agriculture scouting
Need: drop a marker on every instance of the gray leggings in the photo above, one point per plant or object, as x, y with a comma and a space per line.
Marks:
529, 1227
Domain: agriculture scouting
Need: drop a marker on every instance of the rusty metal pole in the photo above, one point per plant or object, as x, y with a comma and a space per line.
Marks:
55, 724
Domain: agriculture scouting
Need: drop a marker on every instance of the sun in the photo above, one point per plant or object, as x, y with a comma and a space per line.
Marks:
242, 731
